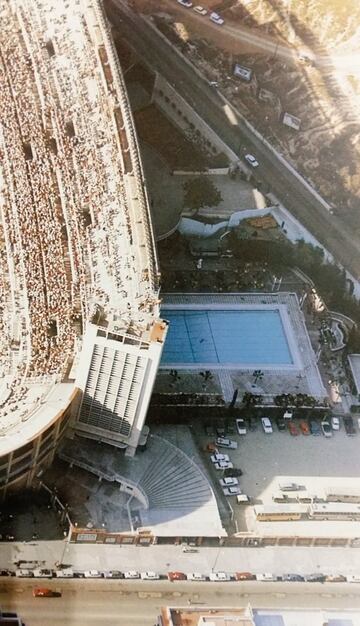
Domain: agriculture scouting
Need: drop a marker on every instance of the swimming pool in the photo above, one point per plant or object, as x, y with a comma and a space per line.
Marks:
247, 337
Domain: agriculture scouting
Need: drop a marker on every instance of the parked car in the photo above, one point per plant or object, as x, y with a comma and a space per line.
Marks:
354, 578
241, 426
190, 549
215, 458
222, 465
93, 573
326, 428
43, 573
176, 576
232, 491
5, 572
42, 592
223, 442
78, 574
293, 578
210, 430
252, 424
185, 3
149, 576
242, 499
114, 574
315, 428
266, 577
335, 423
64, 573
335, 578
304, 427
293, 429
289, 486
280, 423
288, 415
235, 471
315, 578
220, 428
244, 576
219, 577
228, 481
251, 160
349, 426
199, 9
196, 577
230, 428
267, 425
24, 573
215, 17
131, 574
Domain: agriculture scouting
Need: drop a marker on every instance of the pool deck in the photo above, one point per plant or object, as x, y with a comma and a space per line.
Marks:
302, 376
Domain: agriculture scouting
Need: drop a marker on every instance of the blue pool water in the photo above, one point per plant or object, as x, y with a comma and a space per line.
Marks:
235, 336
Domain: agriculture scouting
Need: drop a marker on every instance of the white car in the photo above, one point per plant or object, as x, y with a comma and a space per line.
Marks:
335, 423
355, 578
219, 457
149, 576
215, 17
64, 573
220, 577
185, 3
131, 574
266, 577
231, 491
241, 426
223, 442
267, 425
251, 160
200, 10
196, 576
24, 573
42, 573
221, 465
92, 573
229, 481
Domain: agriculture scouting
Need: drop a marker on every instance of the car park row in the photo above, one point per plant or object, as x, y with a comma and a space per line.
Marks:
177, 576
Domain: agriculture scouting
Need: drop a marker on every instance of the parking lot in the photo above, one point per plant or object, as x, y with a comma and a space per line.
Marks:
315, 463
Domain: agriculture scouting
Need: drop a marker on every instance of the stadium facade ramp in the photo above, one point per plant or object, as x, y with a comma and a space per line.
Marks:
81, 336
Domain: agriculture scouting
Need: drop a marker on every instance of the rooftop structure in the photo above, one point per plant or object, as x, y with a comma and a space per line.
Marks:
80, 331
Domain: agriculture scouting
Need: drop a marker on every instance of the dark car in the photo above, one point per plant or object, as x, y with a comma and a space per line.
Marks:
220, 429
280, 423
349, 426
315, 578
230, 428
210, 430
315, 428
252, 424
293, 578
233, 472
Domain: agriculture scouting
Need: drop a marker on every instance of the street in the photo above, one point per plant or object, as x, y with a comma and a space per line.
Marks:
120, 603
334, 234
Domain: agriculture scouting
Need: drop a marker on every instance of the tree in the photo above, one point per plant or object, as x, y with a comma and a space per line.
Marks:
200, 192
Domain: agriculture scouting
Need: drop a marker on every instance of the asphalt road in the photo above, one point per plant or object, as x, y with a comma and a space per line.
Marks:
335, 235
117, 603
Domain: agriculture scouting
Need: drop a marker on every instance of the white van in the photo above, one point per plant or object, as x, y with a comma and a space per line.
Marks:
242, 499
267, 425
64, 573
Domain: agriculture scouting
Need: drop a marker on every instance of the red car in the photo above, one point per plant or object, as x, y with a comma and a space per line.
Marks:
293, 429
244, 576
43, 592
304, 427
176, 576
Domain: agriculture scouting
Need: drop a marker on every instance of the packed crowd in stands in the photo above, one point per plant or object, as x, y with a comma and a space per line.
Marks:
65, 207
